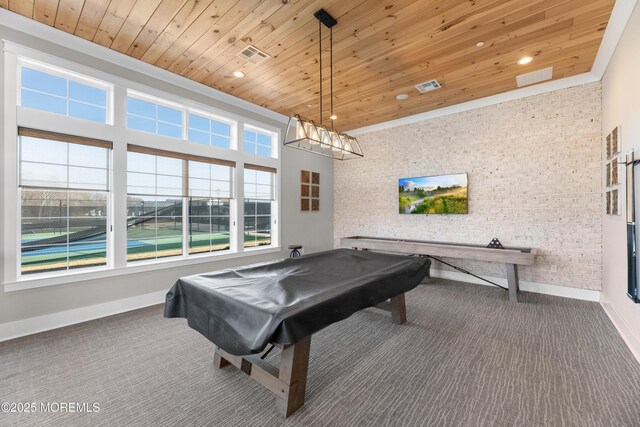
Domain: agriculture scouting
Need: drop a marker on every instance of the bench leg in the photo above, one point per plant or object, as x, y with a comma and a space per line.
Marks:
513, 281
398, 309
294, 363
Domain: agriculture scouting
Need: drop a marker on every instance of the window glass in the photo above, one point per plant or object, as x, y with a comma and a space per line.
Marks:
63, 205
257, 142
258, 195
209, 132
154, 206
153, 118
209, 221
54, 94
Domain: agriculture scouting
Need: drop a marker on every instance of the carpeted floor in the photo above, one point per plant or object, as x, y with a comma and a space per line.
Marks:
466, 357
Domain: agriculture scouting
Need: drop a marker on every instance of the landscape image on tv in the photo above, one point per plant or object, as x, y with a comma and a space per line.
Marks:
442, 194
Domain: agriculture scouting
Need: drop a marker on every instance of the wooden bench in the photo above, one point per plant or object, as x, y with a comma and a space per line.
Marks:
510, 257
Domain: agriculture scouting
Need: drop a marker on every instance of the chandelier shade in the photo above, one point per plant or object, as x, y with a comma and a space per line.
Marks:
316, 137
320, 139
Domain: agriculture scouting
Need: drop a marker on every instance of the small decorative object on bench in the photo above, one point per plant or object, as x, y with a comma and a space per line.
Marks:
495, 244
295, 251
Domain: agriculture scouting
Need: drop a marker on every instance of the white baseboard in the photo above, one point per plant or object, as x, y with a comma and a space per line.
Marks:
624, 329
539, 288
33, 325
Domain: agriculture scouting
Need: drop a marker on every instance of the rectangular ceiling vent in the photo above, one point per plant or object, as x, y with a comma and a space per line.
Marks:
253, 54
535, 77
428, 86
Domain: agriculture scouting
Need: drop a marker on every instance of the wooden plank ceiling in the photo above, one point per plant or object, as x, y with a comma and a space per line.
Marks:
381, 48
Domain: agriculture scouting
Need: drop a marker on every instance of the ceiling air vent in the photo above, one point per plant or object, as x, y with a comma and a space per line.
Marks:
253, 54
428, 86
534, 77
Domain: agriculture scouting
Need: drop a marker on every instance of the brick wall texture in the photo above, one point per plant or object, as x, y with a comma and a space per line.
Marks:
533, 168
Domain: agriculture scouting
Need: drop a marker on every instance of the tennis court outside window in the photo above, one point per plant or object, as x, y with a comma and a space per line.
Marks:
209, 207
258, 197
64, 193
154, 206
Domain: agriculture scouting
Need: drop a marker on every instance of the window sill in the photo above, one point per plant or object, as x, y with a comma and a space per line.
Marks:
82, 276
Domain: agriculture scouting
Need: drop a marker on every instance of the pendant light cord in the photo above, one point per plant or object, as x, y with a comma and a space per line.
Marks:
320, 43
331, 71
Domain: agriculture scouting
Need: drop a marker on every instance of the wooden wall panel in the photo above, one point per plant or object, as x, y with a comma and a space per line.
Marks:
45, 11
90, 18
22, 7
68, 15
380, 49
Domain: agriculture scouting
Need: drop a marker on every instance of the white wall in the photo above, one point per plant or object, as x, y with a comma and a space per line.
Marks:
532, 166
621, 106
313, 230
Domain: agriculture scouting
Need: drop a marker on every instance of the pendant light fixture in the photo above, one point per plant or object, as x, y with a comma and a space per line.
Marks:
315, 137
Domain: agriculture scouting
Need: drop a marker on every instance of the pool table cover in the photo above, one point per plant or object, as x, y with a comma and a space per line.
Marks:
241, 310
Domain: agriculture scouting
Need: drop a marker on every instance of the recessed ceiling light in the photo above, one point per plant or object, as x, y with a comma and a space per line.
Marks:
333, 117
309, 105
525, 60
238, 74
402, 96
480, 44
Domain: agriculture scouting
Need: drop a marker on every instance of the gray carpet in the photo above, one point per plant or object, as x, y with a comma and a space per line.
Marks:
466, 357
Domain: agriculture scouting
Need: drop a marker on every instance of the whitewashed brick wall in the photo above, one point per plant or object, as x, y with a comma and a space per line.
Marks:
534, 181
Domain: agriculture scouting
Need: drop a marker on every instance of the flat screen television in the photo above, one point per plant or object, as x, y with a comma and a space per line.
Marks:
441, 194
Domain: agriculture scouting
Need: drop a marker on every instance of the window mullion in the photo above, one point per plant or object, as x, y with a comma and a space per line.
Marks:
119, 203
239, 208
185, 226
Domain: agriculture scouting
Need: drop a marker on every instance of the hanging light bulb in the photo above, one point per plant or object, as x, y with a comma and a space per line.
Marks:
336, 144
314, 136
300, 133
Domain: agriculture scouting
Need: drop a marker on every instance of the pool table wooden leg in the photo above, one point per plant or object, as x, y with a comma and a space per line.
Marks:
398, 309
294, 364
219, 361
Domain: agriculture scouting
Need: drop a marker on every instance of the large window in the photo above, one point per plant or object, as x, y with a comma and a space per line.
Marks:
58, 95
258, 195
127, 199
64, 189
257, 142
209, 207
153, 118
154, 206
209, 132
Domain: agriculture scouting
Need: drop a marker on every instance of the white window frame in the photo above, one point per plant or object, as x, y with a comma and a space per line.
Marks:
67, 75
162, 103
233, 125
275, 137
116, 131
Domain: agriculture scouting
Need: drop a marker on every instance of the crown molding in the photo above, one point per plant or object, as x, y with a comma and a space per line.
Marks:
39, 30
